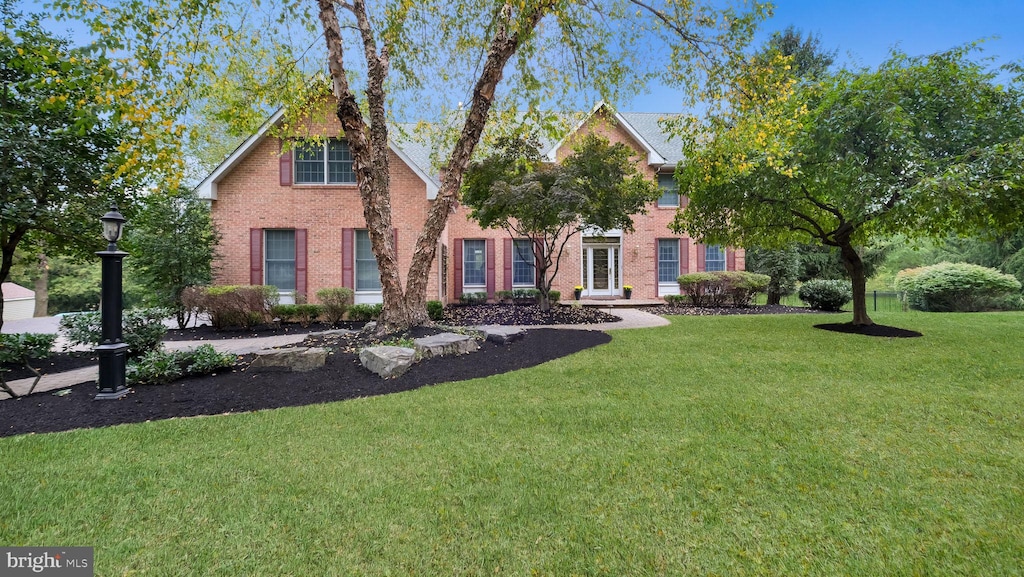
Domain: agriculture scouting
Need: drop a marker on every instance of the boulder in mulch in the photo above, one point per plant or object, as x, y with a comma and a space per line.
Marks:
443, 344
501, 335
296, 359
387, 361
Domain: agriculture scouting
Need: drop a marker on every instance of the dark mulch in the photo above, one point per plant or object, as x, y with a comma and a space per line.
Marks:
870, 330
248, 390
523, 315
715, 311
208, 333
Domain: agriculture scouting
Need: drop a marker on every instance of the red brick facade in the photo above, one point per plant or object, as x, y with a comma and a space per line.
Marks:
254, 193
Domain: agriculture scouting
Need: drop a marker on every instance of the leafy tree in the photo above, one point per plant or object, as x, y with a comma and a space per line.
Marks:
808, 60
921, 146
425, 56
598, 186
782, 265
173, 244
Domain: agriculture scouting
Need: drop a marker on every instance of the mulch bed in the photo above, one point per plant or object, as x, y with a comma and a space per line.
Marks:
523, 315
248, 390
870, 330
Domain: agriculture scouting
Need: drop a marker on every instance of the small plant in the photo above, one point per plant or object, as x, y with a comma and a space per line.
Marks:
676, 300
525, 296
504, 296
204, 360
142, 329
336, 302
364, 312
435, 310
555, 296
154, 368
22, 349
826, 295
473, 298
304, 314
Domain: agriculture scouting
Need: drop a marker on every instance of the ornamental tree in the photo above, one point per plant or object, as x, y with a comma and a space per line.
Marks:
919, 146
597, 187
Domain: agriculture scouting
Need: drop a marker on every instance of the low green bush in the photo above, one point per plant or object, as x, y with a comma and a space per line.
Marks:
958, 287
826, 295
435, 310
20, 350
304, 314
473, 298
554, 296
161, 367
365, 312
676, 300
525, 296
142, 329
504, 296
715, 289
336, 302
204, 360
233, 306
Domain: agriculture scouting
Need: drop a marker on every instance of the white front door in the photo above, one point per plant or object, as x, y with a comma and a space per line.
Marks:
601, 270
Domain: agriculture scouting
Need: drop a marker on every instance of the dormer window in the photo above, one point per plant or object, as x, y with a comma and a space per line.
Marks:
669, 191
324, 162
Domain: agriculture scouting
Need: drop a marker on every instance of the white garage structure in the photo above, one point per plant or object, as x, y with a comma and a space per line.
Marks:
19, 302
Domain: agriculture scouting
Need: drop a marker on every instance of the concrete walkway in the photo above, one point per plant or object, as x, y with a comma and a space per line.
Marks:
631, 319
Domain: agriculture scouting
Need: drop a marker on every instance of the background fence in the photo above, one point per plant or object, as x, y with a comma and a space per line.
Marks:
877, 301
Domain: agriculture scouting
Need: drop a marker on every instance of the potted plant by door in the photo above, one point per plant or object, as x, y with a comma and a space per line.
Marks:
627, 291
577, 292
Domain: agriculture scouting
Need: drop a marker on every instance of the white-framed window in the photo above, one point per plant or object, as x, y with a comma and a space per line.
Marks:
367, 274
714, 258
669, 191
326, 162
524, 264
474, 263
668, 260
279, 259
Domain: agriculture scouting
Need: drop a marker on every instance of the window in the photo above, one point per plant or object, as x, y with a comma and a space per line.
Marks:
668, 260
367, 273
327, 162
669, 190
714, 258
524, 266
279, 255
473, 263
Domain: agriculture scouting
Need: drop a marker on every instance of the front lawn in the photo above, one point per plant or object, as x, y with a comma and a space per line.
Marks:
717, 445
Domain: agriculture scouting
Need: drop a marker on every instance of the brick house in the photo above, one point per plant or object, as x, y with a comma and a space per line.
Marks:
294, 220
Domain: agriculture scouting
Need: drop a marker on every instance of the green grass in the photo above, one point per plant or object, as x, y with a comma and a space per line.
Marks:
721, 445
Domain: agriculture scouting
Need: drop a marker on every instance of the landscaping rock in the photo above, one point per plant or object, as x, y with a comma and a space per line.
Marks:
298, 359
445, 344
387, 361
501, 335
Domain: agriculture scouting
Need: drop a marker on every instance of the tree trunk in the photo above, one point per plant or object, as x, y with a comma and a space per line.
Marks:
855, 268
774, 296
42, 287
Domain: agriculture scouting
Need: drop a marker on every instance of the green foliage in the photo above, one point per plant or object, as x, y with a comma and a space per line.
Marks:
364, 312
304, 314
715, 289
159, 367
473, 298
958, 287
335, 301
554, 296
677, 300
21, 349
435, 310
825, 295
781, 265
173, 243
142, 329
204, 360
232, 306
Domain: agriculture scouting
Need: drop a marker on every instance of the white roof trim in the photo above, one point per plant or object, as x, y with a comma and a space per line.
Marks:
653, 157
207, 189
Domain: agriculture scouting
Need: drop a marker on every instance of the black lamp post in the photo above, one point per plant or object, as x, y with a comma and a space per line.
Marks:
112, 349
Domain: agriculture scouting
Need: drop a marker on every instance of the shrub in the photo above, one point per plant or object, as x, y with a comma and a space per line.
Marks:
335, 303
700, 287
714, 289
304, 314
142, 329
233, 306
741, 286
825, 295
435, 310
525, 296
957, 287
473, 298
504, 296
21, 349
676, 300
160, 367
364, 312
554, 296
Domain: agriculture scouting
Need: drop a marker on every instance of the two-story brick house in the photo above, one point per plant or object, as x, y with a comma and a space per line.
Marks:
292, 217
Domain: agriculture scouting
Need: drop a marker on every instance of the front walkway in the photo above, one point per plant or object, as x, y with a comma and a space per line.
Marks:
631, 319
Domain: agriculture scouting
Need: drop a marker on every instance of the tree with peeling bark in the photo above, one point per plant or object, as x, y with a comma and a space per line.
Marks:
597, 187
921, 146
394, 59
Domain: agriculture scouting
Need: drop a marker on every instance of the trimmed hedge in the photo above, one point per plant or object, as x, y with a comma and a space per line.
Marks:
303, 314
435, 310
826, 295
473, 298
958, 287
336, 302
233, 306
364, 312
715, 289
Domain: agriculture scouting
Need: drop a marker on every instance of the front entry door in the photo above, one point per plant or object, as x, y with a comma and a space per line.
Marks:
601, 271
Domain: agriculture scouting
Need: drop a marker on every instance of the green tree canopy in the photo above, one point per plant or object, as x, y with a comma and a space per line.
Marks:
597, 187
920, 146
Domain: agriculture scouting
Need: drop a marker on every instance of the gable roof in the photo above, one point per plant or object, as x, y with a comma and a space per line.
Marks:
643, 127
16, 292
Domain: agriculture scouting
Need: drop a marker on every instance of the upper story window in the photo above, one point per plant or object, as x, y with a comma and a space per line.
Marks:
714, 258
326, 162
669, 191
524, 271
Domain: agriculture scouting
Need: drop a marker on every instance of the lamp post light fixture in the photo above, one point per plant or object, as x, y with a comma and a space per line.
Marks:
112, 349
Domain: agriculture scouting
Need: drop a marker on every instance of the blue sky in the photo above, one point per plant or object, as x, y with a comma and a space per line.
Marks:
863, 31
